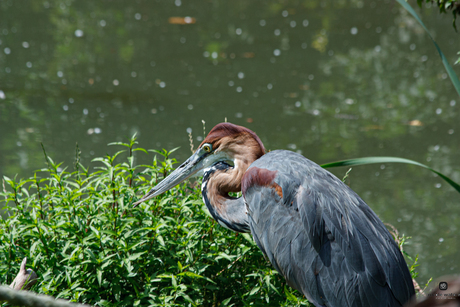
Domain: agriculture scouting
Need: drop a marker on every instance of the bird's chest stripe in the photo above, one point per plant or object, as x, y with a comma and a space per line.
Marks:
260, 177
223, 224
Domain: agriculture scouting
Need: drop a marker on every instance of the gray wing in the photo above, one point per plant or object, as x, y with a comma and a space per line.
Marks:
321, 236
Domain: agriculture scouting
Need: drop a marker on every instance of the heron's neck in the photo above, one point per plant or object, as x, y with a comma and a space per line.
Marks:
228, 211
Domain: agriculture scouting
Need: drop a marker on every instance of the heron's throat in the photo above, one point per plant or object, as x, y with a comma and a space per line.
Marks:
229, 211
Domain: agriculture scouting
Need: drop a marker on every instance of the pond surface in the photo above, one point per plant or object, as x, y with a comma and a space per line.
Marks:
329, 79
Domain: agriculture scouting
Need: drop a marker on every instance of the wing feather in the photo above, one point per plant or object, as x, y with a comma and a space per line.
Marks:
323, 238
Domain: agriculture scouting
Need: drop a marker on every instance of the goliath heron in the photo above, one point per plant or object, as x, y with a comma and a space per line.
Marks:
316, 231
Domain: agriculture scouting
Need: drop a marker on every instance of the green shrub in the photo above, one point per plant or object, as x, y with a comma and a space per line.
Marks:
88, 244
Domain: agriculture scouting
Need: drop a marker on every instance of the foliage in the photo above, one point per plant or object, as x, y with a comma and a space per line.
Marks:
401, 240
452, 75
444, 6
88, 244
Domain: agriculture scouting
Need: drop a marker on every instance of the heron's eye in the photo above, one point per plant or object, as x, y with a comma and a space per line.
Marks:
207, 147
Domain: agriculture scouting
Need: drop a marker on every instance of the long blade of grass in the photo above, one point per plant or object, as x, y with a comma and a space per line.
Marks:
374, 160
452, 75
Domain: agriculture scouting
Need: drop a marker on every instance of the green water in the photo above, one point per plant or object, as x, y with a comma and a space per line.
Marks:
330, 79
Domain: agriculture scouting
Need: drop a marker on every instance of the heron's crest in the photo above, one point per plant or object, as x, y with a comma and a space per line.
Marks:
225, 133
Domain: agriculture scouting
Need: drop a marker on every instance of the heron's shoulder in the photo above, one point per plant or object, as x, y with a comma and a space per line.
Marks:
285, 161
282, 170
281, 153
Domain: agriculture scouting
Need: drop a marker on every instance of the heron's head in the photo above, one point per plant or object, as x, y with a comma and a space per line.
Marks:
235, 145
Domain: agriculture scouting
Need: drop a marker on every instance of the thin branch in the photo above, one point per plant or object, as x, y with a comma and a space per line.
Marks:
230, 265
29, 299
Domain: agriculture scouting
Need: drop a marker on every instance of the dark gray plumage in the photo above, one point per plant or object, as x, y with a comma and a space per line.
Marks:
323, 238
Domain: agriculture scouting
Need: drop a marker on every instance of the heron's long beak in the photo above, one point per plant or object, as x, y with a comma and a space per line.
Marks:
184, 171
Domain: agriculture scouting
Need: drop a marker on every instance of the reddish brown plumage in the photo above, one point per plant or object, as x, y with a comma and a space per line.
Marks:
260, 177
278, 189
237, 133
242, 146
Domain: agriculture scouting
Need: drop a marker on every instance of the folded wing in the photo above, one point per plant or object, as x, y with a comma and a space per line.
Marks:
321, 236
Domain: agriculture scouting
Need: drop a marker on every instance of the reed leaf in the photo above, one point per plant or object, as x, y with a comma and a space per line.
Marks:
452, 75
374, 160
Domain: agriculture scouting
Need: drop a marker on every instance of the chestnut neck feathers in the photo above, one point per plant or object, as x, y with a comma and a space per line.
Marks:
243, 147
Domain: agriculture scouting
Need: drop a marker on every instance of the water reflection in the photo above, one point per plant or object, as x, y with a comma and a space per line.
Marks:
331, 80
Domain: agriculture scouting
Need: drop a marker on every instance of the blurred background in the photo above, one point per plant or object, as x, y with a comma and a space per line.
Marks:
330, 79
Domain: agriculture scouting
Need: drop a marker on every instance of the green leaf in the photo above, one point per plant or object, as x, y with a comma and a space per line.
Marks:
160, 239
226, 301
289, 295
136, 255
254, 290
99, 277
173, 150
374, 160
94, 230
109, 232
224, 255
452, 75
140, 149
248, 238
118, 143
